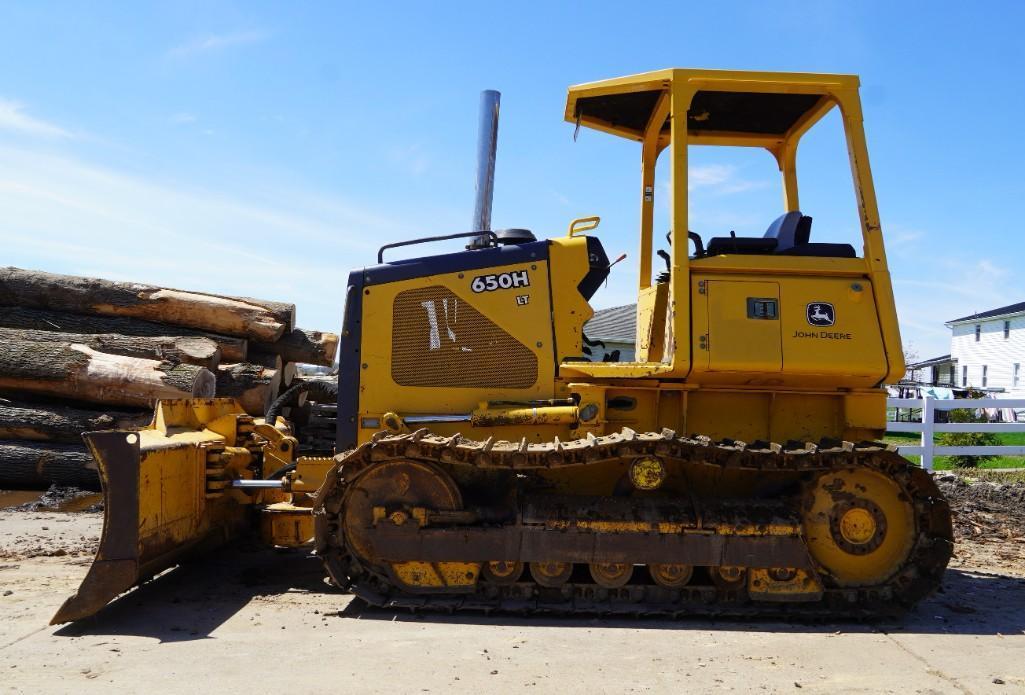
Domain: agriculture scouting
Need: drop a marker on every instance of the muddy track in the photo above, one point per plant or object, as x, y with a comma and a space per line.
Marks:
916, 578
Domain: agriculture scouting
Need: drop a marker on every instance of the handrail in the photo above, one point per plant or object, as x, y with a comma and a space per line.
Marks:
583, 224
424, 240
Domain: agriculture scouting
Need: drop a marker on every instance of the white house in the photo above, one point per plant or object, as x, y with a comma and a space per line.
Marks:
988, 350
938, 371
616, 327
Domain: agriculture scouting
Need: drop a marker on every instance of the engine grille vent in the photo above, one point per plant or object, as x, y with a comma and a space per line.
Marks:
439, 339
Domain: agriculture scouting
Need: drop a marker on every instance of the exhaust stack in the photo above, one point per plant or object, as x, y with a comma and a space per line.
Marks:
487, 144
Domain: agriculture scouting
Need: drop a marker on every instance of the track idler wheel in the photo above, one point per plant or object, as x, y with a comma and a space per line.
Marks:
551, 574
860, 526
671, 576
502, 572
395, 488
611, 575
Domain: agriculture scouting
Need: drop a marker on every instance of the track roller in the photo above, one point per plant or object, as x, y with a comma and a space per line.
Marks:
551, 574
611, 575
671, 576
502, 572
727, 577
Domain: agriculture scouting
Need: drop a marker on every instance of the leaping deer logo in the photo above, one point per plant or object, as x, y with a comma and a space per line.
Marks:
821, 314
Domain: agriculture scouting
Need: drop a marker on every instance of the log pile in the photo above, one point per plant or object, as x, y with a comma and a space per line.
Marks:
80, 354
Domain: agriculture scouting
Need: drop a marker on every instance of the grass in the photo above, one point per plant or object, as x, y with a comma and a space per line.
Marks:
942, 463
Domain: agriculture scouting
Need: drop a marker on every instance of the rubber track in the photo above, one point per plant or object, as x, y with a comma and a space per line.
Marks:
919, 577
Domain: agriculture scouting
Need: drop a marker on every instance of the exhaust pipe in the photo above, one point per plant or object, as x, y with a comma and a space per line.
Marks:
487, 144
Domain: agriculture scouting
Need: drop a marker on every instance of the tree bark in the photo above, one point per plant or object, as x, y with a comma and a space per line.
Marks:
32, 465
252, 385
263, 358
207, 312
309, 347
81, 373
272, 361
232, 349
60, 423
282, 311
189, 349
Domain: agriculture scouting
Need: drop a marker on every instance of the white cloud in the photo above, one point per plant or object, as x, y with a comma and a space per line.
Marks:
183, 118
215, 42
720, 178
14, 118
936, 289
63, 214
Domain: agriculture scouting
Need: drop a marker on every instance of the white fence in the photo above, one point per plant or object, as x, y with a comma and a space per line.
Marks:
928, 426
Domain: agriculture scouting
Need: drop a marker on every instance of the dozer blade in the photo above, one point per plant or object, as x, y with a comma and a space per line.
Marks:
116, 567
157, 506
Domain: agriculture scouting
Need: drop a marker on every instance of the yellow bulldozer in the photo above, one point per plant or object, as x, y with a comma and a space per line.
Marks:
489, 458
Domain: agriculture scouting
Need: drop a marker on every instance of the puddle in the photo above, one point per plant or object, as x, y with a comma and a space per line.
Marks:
74, 503
77, 504
14, 498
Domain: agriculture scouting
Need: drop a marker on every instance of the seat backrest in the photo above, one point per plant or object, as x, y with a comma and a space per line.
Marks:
784, 230
802, 235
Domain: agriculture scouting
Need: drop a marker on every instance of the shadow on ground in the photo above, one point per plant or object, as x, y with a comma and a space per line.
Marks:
191, 601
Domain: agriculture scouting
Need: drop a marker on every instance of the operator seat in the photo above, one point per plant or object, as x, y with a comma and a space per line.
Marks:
789, 230
792, 232
788, 235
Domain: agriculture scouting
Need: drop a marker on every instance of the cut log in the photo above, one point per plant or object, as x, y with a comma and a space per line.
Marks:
309, 347
36, 466
188, 349
288, 373
263, 358
282, 311
81, 373
232, 349
252, 385
206, 312
60, 423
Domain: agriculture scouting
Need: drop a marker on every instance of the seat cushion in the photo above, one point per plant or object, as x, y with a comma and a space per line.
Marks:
821, 249
720, 245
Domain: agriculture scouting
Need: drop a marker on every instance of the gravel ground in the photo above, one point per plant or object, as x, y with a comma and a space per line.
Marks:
250, 618
989, 520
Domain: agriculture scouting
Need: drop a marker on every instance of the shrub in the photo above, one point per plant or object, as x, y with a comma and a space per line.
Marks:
967, 439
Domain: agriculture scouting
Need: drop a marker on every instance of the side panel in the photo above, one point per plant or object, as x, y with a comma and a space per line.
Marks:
569, 266
825, 334
739, 339
830, 327
441, 344
651, 322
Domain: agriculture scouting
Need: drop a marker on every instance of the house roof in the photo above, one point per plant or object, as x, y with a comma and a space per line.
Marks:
931, 362
992, 313
617, 323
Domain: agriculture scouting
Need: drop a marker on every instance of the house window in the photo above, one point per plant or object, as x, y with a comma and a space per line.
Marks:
1007, 330
978, 332
964, 375
985, 375
952, 373
1016, 371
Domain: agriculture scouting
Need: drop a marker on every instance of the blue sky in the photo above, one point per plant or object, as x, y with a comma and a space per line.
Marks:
267, 148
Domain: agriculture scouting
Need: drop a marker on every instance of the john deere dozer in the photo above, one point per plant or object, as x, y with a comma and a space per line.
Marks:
491, 457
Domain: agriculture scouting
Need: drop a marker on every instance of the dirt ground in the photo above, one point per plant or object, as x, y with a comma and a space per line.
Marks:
251, 618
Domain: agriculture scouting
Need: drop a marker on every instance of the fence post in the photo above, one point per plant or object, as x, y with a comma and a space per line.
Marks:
928, 415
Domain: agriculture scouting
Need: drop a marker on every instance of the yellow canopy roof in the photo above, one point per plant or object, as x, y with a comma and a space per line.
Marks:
758, 106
